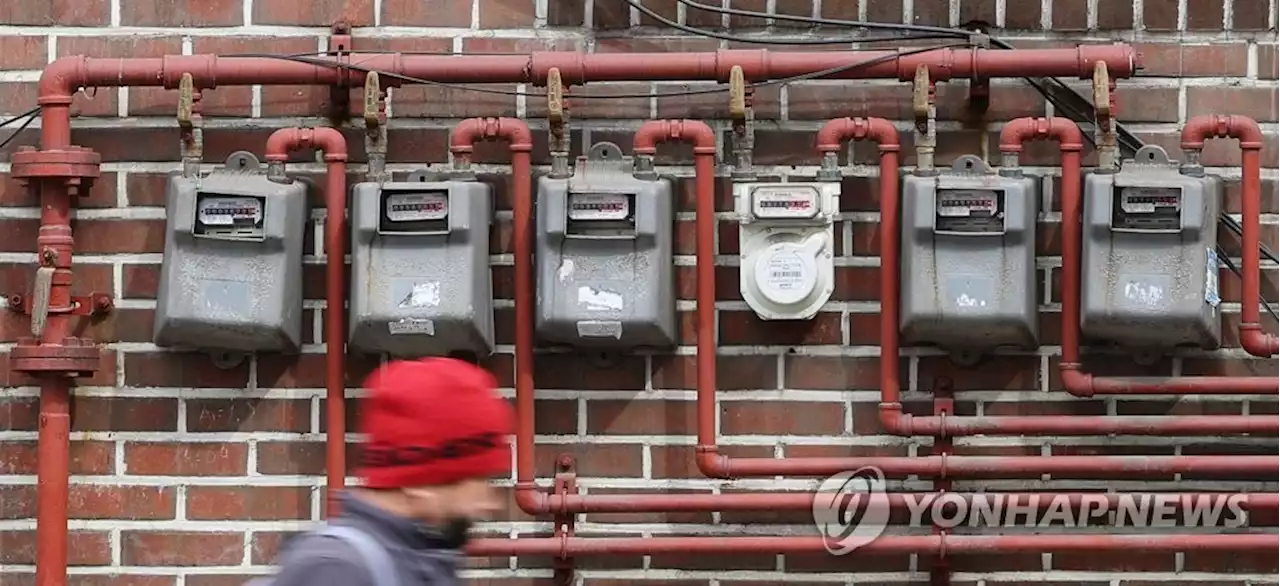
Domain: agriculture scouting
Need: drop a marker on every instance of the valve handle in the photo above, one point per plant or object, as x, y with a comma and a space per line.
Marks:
40, 300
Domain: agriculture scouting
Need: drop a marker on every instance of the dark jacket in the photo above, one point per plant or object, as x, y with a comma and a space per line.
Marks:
420, 555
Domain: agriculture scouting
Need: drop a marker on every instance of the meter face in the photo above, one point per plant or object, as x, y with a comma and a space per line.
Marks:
229, 211
784, 202
417, 207
599, 207
966, 203
1146, 200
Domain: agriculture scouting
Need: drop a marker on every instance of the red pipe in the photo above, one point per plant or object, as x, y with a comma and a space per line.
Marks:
334, 146
519, 141
926, 544
1246, 130
65, 76
1074, 379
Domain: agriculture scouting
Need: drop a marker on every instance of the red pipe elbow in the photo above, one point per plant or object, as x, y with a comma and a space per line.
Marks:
62, 78
1200, 128
327, 140
472, 130
836, 131
657, 131
1021, 130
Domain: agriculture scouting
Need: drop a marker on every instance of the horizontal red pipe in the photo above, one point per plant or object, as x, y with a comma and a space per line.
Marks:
334, 146
803, 501
1074, 379
66, 75
1246, 130
928, 544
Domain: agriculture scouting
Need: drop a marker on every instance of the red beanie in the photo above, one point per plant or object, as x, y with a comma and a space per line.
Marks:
433, 421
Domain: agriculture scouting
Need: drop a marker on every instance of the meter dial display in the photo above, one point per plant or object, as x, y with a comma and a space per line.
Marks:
229, 211
1145, 200
966, 203
417, 207
784, 202
599, 207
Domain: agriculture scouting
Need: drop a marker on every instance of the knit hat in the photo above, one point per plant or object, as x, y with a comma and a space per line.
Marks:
433, 421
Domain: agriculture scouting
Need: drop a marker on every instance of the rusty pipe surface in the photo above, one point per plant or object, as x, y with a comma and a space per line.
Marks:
65, 76
716, 465
927, 544
334, 146
519, 141
891, 414
1074, 379
1246, 130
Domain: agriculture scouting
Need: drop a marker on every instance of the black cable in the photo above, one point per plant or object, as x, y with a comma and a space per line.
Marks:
30, 115
1262, 299
795, 42
827, 21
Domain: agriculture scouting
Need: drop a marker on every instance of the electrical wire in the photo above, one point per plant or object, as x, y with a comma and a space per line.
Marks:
30, 115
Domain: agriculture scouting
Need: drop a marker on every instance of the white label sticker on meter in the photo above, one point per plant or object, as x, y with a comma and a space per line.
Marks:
598, 207
417, 207
784, 202
229, 211
785, 272
1145, 200
962, 204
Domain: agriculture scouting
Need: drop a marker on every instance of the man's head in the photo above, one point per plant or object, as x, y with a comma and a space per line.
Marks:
437, 435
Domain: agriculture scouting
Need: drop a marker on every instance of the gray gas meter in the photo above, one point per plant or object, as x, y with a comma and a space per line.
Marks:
968, 259
420, 280
605, 272
231, 279
1149, 264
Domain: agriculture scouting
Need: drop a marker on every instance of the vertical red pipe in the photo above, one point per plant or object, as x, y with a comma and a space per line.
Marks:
1246, 130
53, 442
334, 146
520, 142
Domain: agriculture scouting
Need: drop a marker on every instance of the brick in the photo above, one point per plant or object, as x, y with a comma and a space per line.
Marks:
1213, 60
237, 101
1115, 14
181, 548
1160, 15
506, 14
227, 415
320, 13
61, 12
732, 373
137, 503
1070, 16
258, 503
181, 13
781, 418
1249, 15
23, 52
84, 548
1256, 103
185, 459
1204, 16
87, 457
932, 13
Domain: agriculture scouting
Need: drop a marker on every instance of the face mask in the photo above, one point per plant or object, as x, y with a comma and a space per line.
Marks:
455, 532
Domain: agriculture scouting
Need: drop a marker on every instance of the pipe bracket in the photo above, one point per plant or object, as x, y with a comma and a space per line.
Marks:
77, 166
565, 484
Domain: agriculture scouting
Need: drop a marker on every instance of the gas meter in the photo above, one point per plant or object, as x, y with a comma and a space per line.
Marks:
231, 279
968, 267
420, 280
1149, 261
786, 235
606, 277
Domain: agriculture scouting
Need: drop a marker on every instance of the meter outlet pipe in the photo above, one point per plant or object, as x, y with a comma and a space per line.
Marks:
1074, 379
334, 146
1246, 130
905, 424
66, 75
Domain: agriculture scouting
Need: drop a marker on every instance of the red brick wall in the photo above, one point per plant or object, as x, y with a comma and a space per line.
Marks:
186, 475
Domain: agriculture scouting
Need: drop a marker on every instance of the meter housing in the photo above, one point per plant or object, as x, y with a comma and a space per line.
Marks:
231, 278
1149, 262
968, 267
420, 277
786, 236
605, 270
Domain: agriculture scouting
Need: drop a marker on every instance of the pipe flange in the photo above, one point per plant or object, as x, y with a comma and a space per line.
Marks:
73, 164
73, 357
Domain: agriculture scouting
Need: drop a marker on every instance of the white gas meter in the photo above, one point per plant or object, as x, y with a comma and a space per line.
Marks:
786, 237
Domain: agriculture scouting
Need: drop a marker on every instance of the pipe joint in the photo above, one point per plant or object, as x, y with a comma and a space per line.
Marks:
1258, 343
61, 79
1075, 380
1201, 128
712, 464
203, 70
754, 64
